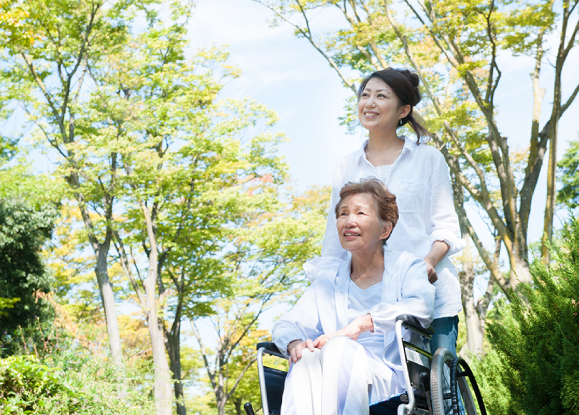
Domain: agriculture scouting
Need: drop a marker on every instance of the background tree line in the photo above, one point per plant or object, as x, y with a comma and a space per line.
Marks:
172, 203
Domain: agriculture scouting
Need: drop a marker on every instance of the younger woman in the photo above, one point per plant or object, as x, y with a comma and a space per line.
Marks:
418, 175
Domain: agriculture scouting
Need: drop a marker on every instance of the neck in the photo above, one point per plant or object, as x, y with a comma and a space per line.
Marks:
368, 265
382, 141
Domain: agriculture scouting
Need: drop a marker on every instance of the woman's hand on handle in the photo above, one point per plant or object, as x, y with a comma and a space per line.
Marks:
296, 347
353, 330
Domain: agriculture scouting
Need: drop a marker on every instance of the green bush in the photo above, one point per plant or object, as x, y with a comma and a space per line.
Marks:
75, 381
533, 368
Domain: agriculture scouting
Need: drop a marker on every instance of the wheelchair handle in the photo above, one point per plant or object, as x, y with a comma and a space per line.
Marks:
412, 323
270, 348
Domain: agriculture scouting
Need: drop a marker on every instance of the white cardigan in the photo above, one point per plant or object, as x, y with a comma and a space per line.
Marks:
323, 307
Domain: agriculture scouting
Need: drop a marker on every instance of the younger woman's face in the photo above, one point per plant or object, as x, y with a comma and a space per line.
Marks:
379, 108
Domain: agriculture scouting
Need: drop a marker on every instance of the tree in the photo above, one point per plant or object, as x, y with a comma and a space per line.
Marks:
23, 231
46, 74
455, 47
470, 267
189, 168
569, 169
268, 249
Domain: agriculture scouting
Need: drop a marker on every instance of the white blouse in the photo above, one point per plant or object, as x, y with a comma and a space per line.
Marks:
421, 182
360, 303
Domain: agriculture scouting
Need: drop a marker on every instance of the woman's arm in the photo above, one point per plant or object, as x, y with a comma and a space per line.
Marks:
438, 251
353, 330
444, 235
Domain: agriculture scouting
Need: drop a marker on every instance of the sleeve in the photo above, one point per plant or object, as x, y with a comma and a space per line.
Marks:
417, 299
331, 244
442, 214
301, 323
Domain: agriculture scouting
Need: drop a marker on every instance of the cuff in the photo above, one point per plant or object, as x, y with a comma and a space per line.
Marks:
455, 244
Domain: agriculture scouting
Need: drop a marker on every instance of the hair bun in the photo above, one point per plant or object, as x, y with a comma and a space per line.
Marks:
411, 76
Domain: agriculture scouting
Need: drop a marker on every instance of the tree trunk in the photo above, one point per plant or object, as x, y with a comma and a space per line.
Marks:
108, 300
163, 398
551, 176
162, 373
474, 328
174, 351
519, 265
238, 409
221, 395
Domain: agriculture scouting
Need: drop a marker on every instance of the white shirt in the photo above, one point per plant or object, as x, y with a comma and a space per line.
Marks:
421, 182
360, 303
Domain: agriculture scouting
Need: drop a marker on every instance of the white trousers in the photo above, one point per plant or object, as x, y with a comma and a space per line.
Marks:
343, 378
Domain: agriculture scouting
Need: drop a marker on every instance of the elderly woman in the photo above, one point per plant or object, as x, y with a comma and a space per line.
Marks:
340, 334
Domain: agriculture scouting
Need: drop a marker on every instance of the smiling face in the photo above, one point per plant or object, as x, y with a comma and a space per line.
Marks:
379, 108
358, 225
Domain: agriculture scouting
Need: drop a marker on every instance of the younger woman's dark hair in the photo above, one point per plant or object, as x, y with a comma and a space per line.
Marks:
405, 85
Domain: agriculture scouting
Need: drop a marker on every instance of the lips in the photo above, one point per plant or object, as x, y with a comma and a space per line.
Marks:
370, 114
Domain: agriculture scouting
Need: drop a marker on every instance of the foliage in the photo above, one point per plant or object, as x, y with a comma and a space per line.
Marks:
72, 381
23, 231
269, 250
71, 372
533, 366
569, 176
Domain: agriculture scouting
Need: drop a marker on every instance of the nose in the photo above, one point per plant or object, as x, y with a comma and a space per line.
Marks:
351, 221
370, 103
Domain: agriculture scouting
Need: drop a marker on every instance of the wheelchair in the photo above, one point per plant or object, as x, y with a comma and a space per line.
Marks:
439, 384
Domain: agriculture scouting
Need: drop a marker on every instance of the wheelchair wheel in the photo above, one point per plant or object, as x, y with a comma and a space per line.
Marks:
459, 377
445, 376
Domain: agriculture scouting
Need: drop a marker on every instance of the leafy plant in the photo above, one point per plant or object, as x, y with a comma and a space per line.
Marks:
533, 366
73, 380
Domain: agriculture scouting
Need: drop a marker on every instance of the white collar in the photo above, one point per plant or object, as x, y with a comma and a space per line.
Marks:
409, 146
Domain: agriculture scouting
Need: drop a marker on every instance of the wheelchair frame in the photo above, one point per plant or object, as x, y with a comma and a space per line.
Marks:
417, 363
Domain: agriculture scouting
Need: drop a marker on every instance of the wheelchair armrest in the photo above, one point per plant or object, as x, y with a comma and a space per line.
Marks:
412, 323
270, 348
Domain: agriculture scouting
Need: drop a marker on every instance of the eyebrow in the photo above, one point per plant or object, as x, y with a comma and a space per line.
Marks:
353, 207
383, 89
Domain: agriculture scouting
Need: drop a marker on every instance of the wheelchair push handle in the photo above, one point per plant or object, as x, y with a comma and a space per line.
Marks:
270, 348
412, 323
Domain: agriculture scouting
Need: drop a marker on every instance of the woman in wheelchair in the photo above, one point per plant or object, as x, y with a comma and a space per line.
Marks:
340, 334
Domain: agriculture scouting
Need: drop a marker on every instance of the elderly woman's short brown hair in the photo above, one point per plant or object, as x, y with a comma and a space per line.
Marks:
386, 207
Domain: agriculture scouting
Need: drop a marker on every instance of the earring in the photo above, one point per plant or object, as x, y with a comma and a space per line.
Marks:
400, 122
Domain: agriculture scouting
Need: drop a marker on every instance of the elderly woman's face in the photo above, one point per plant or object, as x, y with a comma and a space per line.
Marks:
358, 225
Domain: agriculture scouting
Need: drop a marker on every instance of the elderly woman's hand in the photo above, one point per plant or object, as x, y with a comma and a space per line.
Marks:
295, 349
353, 330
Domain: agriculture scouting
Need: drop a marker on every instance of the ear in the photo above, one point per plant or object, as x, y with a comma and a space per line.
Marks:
386, 231
404, 111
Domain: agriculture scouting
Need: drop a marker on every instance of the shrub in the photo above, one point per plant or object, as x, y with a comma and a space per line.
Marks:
532, 368
76, 381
